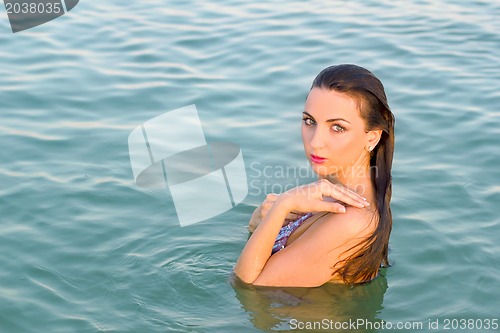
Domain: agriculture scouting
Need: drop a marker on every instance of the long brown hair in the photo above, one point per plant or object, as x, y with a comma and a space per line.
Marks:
367, 90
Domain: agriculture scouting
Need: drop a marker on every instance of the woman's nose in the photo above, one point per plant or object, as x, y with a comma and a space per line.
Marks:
317, 139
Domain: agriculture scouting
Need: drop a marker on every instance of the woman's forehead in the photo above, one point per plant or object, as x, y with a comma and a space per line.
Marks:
328, 104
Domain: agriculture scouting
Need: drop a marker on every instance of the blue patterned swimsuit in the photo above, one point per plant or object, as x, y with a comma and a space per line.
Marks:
286, 231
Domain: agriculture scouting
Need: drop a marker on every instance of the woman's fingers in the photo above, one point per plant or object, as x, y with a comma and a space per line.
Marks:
325, 206
255, 219
314, 197
343, 194
272, 197
266, 207
267, 204
315, 194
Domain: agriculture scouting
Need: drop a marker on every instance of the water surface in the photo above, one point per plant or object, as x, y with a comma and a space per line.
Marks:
83, 249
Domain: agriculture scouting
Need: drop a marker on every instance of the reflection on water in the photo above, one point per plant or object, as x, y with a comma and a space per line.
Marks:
280, 309
71, 91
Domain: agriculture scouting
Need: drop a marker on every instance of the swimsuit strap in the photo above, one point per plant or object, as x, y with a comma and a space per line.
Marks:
286, 231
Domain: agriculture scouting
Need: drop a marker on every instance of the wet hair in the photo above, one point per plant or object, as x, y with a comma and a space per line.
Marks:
367, 90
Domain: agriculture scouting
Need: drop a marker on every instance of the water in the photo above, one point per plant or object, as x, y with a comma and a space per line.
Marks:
85, 250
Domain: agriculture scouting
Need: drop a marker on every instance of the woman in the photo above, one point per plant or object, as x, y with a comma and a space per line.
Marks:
348, 137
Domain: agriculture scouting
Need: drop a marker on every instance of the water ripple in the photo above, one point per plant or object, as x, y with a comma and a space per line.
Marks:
86, 250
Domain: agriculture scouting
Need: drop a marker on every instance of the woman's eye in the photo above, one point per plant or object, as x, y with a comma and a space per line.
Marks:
308, 121
338, 128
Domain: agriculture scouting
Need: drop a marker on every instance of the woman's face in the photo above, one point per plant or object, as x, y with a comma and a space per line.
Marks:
333, 133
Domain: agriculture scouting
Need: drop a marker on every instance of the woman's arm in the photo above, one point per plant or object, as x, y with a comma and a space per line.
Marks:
305, 198
256, 219
258, 248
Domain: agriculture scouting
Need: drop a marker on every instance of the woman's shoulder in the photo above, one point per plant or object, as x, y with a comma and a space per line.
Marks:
332, 234
354, 223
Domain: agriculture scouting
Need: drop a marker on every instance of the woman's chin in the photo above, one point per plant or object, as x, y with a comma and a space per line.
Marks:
321, 170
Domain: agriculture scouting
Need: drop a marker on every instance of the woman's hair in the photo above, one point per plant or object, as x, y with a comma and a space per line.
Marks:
367, 90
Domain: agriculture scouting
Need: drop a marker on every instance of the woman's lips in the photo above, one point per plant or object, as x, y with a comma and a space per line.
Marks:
317, 159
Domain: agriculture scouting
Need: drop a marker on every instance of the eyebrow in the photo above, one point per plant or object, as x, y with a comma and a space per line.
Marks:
329, 120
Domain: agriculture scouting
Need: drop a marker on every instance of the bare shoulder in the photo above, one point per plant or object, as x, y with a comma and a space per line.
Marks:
310, 258
355, 222
337, 232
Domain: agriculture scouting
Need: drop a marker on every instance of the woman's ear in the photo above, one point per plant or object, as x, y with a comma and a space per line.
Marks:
373, 139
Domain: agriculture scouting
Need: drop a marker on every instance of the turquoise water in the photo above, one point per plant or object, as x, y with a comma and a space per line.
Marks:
83, 249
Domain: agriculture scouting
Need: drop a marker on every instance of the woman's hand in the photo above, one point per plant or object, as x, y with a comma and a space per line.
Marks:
317, 197
260, 212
